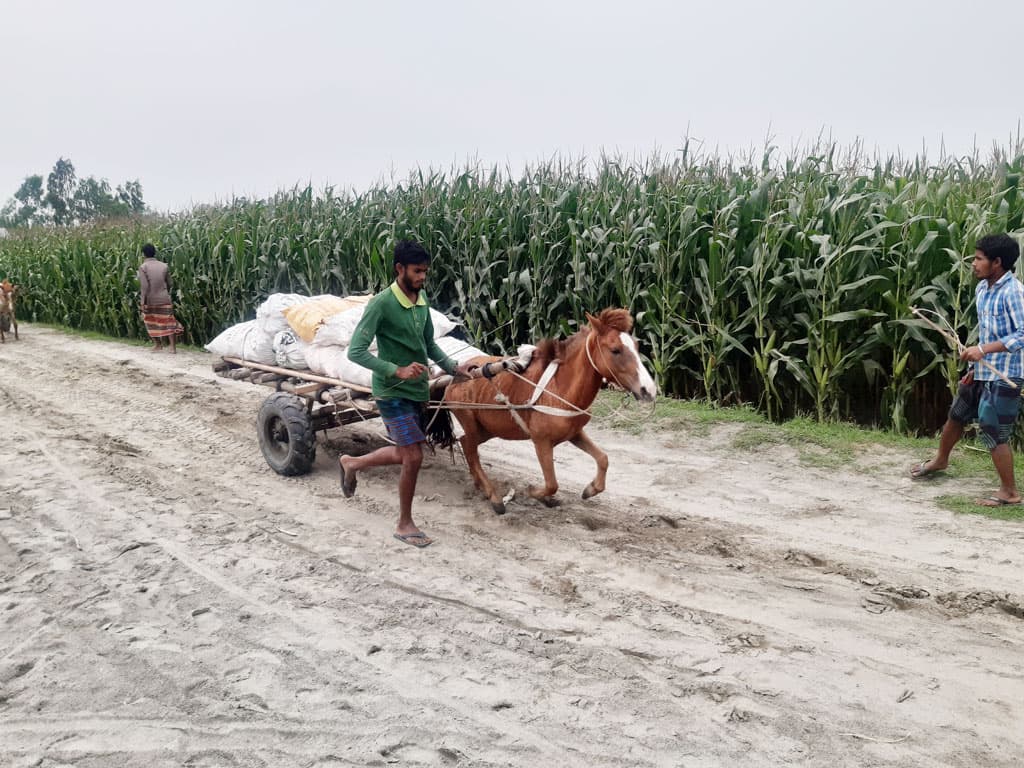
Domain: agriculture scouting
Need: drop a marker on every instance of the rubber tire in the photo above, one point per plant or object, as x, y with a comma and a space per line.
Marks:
286, 434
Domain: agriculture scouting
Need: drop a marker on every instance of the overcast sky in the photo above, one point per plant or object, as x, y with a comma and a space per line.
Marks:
202, 100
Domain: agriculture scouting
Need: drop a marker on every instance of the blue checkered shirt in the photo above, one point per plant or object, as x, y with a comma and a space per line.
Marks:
1001, 318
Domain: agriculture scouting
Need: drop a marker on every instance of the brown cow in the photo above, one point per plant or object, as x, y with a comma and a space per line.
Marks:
8, 293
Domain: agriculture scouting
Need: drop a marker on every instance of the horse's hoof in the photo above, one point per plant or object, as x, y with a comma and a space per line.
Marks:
498, 507
589, 491
550, 501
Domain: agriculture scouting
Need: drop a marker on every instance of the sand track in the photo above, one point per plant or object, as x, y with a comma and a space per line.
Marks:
167, 600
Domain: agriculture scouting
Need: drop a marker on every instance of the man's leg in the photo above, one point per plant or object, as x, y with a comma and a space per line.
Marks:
412, 459
171, 341
389, 454
1002, 457
997, 415
952, 431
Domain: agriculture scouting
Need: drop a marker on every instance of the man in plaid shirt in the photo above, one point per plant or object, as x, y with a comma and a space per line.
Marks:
983, 394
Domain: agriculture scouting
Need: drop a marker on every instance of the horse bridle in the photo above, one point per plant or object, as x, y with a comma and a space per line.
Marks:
604, 360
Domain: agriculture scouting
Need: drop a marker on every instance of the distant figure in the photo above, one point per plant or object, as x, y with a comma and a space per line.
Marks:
155, 298
983, 395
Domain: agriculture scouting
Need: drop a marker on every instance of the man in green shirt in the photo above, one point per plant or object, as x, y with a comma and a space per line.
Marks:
399, 319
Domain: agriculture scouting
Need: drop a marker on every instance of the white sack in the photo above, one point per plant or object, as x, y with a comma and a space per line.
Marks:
231, 342
290, 350
338, 329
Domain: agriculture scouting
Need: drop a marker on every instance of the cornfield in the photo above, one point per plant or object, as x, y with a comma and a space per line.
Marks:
785, 283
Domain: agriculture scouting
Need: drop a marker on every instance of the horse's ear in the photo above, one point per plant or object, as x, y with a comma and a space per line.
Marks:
595, 323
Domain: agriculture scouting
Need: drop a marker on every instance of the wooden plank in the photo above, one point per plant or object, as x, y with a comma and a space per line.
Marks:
306, 389
294, 374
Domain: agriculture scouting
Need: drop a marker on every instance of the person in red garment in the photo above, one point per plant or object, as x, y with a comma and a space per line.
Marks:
155, 299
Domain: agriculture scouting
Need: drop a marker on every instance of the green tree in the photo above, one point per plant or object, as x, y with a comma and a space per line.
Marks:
60, 192
26, 208
65, 199
130, 194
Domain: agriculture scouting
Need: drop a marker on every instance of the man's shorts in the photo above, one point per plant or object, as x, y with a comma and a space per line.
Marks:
994, 404
403, 420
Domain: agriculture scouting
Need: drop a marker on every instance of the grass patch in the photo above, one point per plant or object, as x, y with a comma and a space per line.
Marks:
619, 411
97, 336
964, 505
818, 445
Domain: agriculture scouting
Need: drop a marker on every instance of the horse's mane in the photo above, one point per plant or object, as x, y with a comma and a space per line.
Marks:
554, 349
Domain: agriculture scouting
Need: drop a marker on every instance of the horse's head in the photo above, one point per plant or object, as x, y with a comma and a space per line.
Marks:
613, 352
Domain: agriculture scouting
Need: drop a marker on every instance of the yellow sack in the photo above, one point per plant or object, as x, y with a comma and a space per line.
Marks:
307, 317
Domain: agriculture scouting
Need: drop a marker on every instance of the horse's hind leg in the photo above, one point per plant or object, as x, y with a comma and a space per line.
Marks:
470, 444
546, 457
585, 444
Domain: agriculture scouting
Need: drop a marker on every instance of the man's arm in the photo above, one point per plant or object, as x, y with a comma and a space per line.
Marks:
143, 287
362, 338
1013, 341
434, 352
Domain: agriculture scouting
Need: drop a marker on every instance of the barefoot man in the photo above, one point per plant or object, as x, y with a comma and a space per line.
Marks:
983, 394
155, 299
399, 319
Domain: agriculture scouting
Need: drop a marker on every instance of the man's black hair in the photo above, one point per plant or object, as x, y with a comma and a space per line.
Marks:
148, 251
1002, 247
410, 252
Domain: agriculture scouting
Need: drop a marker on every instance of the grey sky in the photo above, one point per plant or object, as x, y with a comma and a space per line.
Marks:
202, 100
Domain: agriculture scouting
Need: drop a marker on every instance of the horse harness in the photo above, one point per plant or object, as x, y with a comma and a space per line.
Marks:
516, 367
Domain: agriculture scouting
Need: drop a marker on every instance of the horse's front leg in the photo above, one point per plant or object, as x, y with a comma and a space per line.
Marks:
546, 456
470, 443
585, 444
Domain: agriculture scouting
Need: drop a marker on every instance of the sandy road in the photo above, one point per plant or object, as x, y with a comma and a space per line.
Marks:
167, 600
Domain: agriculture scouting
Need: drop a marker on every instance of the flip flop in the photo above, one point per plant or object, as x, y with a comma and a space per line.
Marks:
920, 471
418, 539
996, 502
348, 487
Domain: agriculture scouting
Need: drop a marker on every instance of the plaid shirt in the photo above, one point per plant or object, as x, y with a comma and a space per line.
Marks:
1001, 318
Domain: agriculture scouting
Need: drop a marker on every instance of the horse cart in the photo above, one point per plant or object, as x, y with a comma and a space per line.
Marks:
302, 404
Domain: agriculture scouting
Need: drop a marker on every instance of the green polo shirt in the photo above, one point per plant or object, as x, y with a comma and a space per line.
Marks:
405, 334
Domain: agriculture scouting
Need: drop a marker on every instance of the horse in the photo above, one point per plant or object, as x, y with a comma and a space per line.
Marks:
553, 411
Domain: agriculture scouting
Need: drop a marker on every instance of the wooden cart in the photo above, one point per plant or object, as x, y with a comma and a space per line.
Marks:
302, 404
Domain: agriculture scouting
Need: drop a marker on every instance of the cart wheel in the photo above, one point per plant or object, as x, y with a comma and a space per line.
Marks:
286, 434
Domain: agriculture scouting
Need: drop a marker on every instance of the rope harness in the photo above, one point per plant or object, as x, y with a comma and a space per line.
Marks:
515, 367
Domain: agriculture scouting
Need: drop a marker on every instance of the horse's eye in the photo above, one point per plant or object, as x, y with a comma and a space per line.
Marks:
617, 351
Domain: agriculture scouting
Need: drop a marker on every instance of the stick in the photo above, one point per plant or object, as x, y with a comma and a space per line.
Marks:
954, 342
292, 373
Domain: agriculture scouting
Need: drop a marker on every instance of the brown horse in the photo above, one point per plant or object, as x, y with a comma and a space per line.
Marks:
603, 350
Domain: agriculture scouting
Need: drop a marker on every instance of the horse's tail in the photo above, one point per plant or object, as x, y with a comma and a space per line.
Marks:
438, 427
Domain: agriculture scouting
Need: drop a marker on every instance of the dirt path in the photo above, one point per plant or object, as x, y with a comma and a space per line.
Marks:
167, 600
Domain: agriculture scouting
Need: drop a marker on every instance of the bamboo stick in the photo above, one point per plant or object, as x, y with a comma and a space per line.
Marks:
292, 373
954, 342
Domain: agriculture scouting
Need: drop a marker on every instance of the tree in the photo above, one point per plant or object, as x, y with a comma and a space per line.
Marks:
130, 193
26, 208
60, 192
67, 200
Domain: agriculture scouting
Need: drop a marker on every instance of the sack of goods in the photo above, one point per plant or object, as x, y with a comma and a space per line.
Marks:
314, 333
